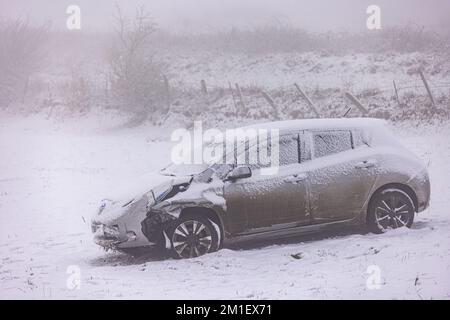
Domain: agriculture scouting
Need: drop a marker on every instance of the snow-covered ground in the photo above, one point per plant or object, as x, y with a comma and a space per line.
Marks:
53, 174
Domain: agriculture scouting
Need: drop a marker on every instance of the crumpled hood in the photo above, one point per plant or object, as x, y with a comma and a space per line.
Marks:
136, 188
129, 197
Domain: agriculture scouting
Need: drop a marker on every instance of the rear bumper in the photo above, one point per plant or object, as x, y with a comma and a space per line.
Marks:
421, 186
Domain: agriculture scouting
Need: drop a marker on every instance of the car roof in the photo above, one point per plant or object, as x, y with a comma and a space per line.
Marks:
329, 123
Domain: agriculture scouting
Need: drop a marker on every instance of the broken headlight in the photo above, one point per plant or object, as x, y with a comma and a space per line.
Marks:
103, 205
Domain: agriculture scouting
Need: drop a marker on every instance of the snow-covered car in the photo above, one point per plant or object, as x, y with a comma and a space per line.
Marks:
332, 173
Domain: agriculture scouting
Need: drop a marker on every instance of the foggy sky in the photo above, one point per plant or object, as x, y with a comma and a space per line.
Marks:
212, 15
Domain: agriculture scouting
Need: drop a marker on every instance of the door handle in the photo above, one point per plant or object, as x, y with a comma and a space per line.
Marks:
365, 164
295, 178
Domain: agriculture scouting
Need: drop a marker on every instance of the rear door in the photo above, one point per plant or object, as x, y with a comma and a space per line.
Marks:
341, 174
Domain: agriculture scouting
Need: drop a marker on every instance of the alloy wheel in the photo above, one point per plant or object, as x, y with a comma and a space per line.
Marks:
394, 210
191, 239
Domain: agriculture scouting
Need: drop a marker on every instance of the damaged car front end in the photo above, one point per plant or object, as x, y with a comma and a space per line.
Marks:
119, 224
140, 221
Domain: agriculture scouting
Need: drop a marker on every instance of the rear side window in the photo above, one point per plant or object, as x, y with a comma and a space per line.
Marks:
331, 142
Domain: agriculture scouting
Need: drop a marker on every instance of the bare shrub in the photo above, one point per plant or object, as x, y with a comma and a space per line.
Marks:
137, 80
78, 91
22, 51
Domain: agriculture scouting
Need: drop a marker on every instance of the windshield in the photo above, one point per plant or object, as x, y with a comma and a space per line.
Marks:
214, 152
183, 169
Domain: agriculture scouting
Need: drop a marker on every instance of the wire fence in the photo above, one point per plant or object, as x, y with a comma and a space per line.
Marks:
397, 89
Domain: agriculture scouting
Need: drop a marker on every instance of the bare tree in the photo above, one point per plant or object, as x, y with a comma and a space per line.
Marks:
137, 80
22, 51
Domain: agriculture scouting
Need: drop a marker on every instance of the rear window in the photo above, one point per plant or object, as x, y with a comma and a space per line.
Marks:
331, 142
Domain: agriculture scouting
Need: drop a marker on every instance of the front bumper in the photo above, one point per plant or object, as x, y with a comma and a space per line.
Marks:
109, 237
118, 226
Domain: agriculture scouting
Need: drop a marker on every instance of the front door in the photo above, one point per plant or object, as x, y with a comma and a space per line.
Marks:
268, 202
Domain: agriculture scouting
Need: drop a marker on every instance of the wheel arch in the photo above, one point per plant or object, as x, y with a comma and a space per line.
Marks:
401, 186
205, 212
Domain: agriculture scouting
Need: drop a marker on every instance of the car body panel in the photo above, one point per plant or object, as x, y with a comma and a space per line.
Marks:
339, 188
251, 202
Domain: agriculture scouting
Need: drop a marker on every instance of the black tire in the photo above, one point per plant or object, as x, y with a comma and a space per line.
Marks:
390, 208
192, 236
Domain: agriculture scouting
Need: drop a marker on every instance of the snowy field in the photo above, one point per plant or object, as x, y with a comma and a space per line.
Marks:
53, 174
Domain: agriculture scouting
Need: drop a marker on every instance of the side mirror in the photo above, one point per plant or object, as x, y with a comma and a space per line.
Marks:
239, 173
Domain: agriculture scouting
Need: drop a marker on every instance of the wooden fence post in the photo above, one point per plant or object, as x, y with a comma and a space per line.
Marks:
204, 91
203, 86
356, 102
427, 87
347, 112
234, 99
272, 104
243, 109
396, 92
308, 100
167, 91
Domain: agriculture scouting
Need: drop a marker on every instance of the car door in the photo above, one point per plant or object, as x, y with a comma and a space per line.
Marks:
268, 202
341, 174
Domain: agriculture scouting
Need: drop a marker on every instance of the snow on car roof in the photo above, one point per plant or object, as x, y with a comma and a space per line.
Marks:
329, 123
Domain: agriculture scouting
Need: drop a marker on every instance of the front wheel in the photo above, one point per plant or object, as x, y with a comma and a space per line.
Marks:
390, 209
192, 236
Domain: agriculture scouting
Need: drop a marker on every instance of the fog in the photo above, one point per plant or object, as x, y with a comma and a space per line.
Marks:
214, 15
228, 47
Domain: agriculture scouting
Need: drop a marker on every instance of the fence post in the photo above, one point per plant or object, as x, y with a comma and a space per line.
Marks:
204, 91
427, 87
272, 104
347, 112
240, 98
356, 102
167, 91
308, 100
234, 99
396, 92
203, 86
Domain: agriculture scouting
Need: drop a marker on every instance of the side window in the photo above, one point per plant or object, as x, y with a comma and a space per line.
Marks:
288, 149
256, 155
331, 142
288, 152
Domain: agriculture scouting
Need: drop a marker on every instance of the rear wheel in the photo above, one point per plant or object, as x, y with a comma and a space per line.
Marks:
390, 209
192, 236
